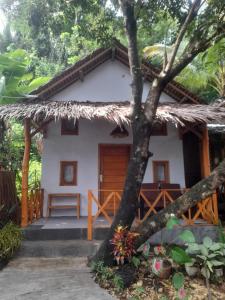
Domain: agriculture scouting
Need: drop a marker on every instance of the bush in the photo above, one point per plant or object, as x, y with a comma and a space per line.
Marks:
10, 240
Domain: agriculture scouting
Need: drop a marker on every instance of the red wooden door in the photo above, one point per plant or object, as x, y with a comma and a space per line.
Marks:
113, 167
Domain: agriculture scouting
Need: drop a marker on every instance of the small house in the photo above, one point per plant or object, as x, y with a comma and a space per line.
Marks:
84, 116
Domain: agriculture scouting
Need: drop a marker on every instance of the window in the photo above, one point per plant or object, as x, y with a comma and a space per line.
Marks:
161, 171
159, 129
69, 127
68, 173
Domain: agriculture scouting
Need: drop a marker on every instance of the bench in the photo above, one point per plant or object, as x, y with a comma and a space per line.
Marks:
59, 196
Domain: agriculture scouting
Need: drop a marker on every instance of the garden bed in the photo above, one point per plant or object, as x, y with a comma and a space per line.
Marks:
149, 287
164, 272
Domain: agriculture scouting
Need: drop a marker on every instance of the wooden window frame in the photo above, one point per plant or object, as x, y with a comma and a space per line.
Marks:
165, 163
162, 131
63, 164
65, 131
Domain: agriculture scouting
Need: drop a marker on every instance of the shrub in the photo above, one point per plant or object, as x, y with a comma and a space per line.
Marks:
10, 240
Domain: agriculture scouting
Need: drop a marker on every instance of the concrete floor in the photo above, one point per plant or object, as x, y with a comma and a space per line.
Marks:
49, 279
68, 222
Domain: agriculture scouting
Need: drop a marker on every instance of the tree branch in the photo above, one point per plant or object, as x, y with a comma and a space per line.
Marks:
127, 7
191, 15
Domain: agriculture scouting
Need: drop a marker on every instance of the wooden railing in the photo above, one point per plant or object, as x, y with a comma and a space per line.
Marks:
206, 209
35, 204
150, 203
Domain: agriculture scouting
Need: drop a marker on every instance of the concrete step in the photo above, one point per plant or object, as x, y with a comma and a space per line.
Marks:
37, 233
63, 248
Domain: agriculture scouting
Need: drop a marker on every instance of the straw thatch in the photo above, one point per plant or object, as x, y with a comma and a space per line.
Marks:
118, 112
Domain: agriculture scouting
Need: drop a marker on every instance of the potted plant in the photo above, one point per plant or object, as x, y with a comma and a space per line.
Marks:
123, 245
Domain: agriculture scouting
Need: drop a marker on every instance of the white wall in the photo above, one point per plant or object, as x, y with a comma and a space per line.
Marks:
84, 149
108, 82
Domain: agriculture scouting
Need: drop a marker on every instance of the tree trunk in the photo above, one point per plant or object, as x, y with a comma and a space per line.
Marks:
198, 192
129, 202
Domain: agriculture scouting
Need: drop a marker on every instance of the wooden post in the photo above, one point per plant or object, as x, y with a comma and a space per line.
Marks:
206, 172
205, 153
89, 230
25, 173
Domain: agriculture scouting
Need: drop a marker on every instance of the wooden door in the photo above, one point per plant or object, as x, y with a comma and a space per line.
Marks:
113, 167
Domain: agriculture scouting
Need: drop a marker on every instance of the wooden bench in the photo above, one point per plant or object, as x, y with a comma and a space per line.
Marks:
59, 196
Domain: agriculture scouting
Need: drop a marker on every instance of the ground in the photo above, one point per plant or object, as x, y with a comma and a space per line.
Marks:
147, 286
49, 279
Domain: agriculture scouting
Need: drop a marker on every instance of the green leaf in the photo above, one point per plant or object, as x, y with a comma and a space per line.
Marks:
187, 236
212, 255
205, 272
204, 250
207, 242
135, 261
178, 280
209, 265
179, 255
217, 263
193, 248
193, 260
215, 246
38, 82
27, 76
173, 221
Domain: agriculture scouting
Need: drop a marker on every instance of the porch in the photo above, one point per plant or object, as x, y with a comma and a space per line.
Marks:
101, 213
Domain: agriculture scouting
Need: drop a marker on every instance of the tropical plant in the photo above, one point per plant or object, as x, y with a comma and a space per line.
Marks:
10, 240
123, 244
16, 78
178, 284
208, 256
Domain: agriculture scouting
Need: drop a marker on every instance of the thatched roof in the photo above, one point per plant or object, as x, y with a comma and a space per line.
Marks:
118, 112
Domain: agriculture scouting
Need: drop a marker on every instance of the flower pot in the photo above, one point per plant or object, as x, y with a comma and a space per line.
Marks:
191, 270
162, 268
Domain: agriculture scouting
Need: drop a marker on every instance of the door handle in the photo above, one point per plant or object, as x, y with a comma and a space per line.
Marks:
100, 177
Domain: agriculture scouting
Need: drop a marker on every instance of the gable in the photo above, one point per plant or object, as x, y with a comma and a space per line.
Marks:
119, 53
109, 82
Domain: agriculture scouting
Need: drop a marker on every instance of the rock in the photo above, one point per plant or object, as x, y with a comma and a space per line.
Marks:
160, 290
139, 283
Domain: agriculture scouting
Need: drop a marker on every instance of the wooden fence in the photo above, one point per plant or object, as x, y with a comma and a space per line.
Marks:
150, 203
9, 204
